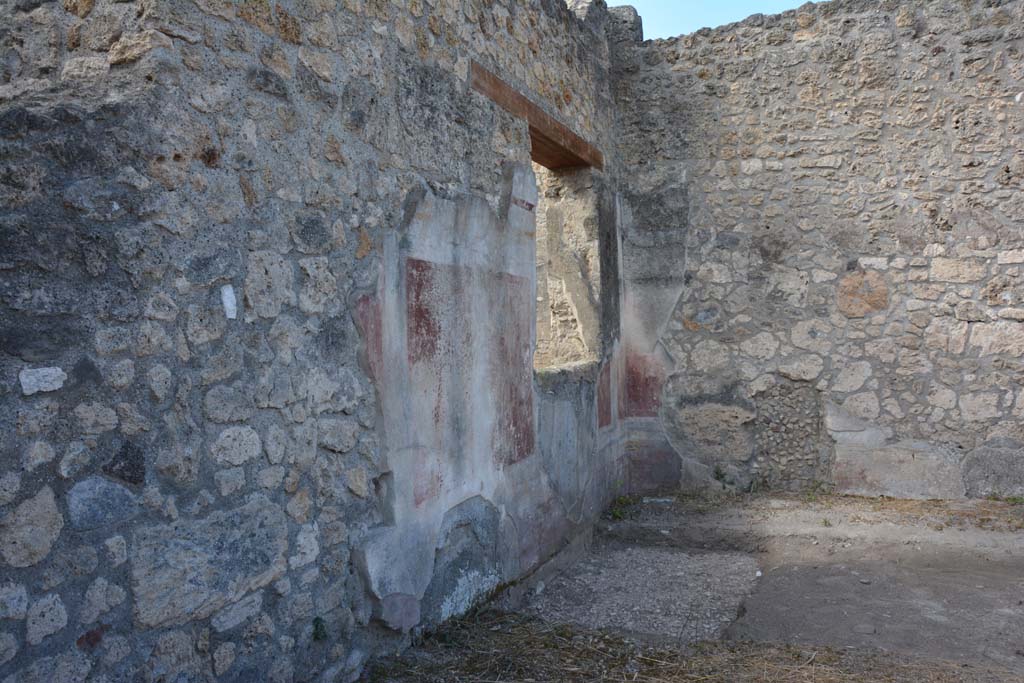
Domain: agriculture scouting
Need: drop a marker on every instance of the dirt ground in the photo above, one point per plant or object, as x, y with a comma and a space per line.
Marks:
768, 588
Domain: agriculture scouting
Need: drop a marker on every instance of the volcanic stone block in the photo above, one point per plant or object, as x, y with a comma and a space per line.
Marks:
995, 468
189, 570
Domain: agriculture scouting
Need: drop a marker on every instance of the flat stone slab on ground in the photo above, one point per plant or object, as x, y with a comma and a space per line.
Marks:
956, 610
939, 580
668, 594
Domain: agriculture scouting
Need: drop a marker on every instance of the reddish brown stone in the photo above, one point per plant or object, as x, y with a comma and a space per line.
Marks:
90, 639
862, 293
288, 27
80, 8
641, 395
257, 13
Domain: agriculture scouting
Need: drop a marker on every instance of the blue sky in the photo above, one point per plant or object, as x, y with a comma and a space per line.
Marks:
668, 18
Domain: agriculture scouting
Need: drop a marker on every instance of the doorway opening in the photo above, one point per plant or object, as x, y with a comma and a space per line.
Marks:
569, 225
568, 268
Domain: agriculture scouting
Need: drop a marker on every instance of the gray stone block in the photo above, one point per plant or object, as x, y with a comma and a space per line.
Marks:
907, 469
996, 468
97, 502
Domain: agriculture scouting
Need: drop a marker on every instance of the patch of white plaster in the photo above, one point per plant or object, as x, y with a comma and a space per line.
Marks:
227, 297
470, 587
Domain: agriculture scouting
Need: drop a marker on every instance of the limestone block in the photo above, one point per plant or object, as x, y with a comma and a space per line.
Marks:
852, 377
1011, 256
790, 283
36, 380
230, 481
236, 446
947, 335
29, 531
307, 546
339, 436
906, 469
970, 312
95, 418
229, 302
1002, 336
45, 617
100, 598
805, 368
269, 284
357, 479
39, 453
942, 397
84, 69
812, 335
238, 613
979, 407
957, 270
133, 46
849, 430
761, 346
709, 355
863, 405
1015, 314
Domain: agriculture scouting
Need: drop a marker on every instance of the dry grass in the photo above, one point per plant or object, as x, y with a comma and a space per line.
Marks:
503, 648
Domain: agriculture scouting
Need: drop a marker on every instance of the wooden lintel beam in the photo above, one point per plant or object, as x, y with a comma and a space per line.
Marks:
554, 145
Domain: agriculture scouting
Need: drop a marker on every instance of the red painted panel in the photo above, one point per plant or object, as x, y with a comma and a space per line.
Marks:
653, 470
644, 380
453, 342
604, 396
370, 327
423, 296
511, 371
427, 483
439, 332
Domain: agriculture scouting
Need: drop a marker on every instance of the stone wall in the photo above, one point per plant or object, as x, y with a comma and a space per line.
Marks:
268, 302
268, 402
823, 264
